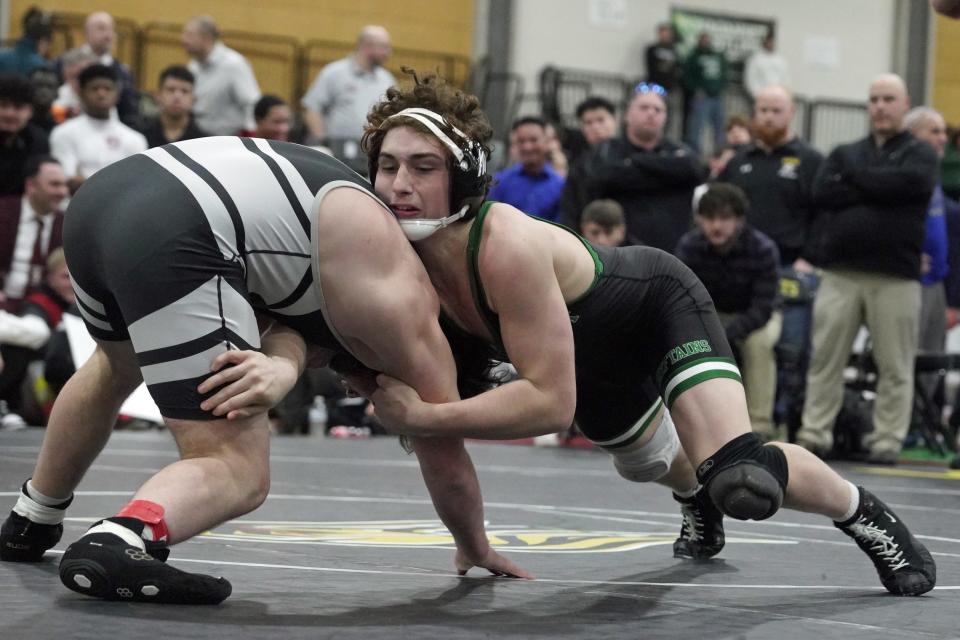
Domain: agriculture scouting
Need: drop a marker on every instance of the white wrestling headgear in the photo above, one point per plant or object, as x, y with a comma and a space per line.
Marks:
468, 182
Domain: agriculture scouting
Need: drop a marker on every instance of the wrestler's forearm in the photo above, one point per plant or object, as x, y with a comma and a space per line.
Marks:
452, 481
517, 409
285, 345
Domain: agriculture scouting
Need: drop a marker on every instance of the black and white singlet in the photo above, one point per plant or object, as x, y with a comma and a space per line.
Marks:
174, 248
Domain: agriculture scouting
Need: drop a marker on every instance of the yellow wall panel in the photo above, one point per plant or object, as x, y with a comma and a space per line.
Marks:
441, 26
946, 69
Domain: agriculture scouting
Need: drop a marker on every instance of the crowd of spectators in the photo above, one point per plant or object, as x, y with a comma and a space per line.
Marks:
797, 250
64, 118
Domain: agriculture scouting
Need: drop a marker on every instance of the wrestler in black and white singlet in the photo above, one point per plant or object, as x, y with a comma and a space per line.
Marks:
174, 248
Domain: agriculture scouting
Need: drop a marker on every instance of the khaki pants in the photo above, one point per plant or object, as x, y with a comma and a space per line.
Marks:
890, 308
758, 365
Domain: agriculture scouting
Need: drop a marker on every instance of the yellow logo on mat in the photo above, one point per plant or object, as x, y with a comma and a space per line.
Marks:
427, 533
432, 534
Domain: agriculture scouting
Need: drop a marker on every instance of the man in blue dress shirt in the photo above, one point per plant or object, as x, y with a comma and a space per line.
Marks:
531, 184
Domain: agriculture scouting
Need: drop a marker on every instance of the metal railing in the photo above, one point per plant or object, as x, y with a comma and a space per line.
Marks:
822, 123
832, 122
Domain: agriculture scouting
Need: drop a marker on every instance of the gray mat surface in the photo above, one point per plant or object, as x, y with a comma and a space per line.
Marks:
348, 546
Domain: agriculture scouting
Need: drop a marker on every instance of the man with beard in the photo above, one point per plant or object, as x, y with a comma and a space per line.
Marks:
652, 178
777, 172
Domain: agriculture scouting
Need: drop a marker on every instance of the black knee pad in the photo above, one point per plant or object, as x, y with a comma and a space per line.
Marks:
745, 479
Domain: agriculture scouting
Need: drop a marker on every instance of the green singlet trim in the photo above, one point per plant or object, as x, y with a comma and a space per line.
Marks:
473, 269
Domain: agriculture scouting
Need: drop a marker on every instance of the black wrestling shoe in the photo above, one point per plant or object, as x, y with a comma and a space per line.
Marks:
701, 534
25, 541
22, 540
103, 565
905, 566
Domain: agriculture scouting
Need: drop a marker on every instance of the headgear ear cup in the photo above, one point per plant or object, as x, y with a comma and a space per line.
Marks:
469, 184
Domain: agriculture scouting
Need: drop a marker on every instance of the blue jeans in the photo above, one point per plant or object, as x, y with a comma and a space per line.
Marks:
706, 108
793, 350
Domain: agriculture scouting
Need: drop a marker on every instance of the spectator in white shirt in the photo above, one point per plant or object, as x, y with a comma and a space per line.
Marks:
226, 87
96, 138
766, 67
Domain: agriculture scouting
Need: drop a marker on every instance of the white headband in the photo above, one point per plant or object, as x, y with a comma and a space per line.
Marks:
427, 118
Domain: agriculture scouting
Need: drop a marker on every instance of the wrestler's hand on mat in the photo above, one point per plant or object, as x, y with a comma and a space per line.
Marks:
255, 383
492, 562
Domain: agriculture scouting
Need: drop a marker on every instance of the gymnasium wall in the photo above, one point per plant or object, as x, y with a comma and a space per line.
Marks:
945, 67
833, 53
834, 48
426, 25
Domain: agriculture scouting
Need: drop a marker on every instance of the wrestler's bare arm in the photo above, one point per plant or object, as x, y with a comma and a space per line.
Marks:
381, 302
518, 276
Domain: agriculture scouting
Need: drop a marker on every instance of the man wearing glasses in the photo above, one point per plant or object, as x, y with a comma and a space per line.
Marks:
650, 176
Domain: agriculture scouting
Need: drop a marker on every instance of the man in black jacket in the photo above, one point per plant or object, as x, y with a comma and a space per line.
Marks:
875, 192
598, 122
651, 177
19, 138
175, 120
662, 58
777, 171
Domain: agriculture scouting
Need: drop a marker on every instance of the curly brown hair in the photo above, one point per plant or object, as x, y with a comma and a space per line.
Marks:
460, 109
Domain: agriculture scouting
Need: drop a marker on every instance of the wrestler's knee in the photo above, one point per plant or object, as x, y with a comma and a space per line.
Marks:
745, 479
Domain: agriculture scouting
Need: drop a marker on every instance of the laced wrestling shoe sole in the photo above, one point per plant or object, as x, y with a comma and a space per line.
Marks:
914, 582
686, 550
121, 572
12, 551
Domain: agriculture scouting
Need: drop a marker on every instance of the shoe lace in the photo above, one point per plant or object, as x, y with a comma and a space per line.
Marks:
692, 527
881, 543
